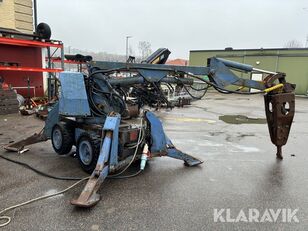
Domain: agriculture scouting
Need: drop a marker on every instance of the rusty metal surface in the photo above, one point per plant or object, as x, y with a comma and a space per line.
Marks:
19, 145
89, 196
270, 80
133, 111
279, 110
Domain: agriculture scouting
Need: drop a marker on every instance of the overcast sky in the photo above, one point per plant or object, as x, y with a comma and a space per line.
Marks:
180, 25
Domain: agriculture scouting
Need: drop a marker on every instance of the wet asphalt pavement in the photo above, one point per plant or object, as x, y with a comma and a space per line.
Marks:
239, 172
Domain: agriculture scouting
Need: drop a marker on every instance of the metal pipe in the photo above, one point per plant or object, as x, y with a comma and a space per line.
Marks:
196, 70
139, 80
243, 67
263, 71
62, 58
127, 37
49, 74
236, 65
35, 14
31, 87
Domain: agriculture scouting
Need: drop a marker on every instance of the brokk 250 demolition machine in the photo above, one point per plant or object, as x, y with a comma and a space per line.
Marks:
93, 109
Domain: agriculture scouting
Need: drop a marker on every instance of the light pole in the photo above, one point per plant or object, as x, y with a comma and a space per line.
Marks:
127, 37
35, 14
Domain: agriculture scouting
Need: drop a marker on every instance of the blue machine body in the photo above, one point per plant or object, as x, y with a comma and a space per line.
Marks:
109, 146
113, 123
158, 137
52, 119
89, 195
73, 100
222, 75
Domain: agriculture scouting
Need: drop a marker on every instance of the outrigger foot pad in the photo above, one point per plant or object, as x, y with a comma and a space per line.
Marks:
93, 200
189, 160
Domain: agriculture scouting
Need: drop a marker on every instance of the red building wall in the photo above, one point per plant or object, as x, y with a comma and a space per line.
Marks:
25, 57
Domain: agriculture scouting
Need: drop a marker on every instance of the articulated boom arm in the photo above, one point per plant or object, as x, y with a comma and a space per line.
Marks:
278, 94
99, 100
106, 93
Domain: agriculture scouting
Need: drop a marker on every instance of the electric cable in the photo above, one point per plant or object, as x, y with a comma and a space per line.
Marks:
134, 156
108, 95
218, 88
201, 89
125, 176
52, 176
40, 172
138, 143
9, 219
194, 97
223, 89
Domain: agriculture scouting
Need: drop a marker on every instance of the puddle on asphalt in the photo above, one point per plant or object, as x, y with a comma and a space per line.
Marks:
241, 119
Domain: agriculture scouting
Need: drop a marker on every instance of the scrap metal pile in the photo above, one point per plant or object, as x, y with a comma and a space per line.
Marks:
93, 109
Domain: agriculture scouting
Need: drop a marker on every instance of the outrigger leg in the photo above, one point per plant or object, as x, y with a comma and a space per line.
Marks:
161, 145
89, 195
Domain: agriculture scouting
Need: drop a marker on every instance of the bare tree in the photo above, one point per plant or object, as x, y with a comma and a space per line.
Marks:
293, 44
144, 49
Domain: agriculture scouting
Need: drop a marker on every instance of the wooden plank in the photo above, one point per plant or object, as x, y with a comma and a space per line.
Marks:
7, 97
12, 100
8, 106
6, 91
8, 102
9, 93
6, 112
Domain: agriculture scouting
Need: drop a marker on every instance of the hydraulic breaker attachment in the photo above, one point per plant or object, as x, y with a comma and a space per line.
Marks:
161, 145
279, 110
89, 195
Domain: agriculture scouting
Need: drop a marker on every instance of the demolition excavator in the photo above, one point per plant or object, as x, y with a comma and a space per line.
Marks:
103, 112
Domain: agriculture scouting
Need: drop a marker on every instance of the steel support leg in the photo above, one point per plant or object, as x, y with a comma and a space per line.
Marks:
161, 145
89, 195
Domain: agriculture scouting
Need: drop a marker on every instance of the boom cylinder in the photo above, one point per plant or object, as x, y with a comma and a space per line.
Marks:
140, 80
